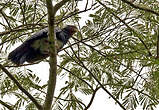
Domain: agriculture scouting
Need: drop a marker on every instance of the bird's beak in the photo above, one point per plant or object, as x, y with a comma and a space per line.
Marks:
75, 29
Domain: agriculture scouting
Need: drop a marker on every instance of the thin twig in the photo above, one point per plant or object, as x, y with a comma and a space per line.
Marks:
8, 40
22, 8
92, 98
141, 8
76, 76
6, 19
73, 14
71, 101
6, 105
19, 28
23, 65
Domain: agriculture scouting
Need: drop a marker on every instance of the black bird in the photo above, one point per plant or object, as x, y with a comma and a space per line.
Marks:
37, 47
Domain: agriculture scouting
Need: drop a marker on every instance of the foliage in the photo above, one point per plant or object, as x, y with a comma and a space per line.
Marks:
118, 45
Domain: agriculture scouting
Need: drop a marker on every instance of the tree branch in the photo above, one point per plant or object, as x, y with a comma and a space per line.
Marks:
131, 29
157, 45
6, 19
77, 77
92, 98
53, 52
73, 14
20, 28
83, 65
80, 102
21, 88
114, 98
6, 105
53, 59
140, 8
107, 57
22, 8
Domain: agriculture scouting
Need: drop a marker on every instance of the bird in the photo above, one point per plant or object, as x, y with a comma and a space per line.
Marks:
36, 48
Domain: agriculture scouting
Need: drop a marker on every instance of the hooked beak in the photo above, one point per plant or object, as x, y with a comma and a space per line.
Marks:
75, 29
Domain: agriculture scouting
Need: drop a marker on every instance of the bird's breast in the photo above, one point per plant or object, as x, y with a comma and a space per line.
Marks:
42, 45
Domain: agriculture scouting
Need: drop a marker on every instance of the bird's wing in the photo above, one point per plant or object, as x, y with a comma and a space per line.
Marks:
41, 34
39, 41
38, 35
57, 29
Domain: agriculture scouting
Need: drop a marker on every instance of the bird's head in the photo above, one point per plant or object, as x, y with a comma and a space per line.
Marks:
71, 29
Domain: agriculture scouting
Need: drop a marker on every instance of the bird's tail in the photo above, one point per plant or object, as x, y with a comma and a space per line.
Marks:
19, 55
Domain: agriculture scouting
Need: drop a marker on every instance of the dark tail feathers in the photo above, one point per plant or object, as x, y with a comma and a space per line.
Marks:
18, 56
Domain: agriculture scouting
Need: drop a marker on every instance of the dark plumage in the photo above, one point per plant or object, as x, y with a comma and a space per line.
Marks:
37, 47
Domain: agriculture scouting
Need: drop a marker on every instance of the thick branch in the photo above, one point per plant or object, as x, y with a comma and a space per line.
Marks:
158, 45
53, 60
21, 88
